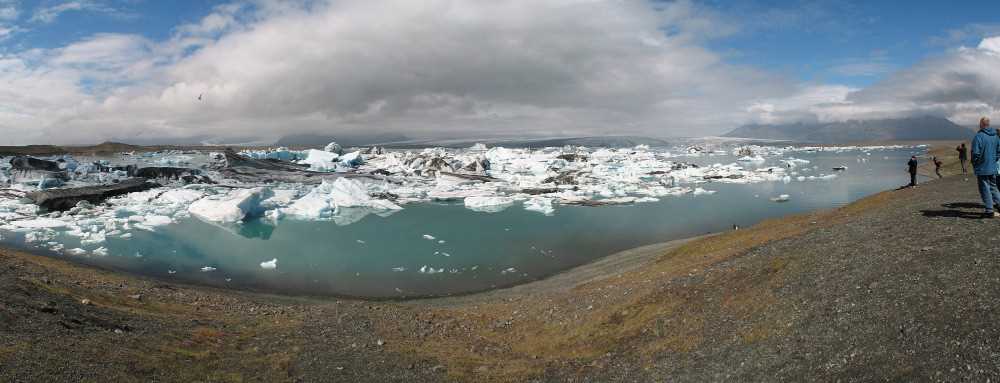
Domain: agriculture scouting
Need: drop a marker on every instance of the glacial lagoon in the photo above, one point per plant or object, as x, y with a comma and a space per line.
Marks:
435, 248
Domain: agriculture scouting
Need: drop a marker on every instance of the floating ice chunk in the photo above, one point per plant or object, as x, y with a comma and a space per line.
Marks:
100, 252
48, 183
326, 199
700, 191
320, 161
230, 208
781, 198
334, 147
429, 237
269, 265
508, 270
157, 220
76, 251
430, 270
479, 146
90, 239
40, 223
360, 241
352, 159
41, 235
752, 159
488, 204
208, 269
181, 196
441, 241
398, 269
539, 204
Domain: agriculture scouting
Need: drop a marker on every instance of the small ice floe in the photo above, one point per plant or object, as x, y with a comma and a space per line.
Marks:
40, 223
429, 237
539, 204
100, 252
839, 168
171, 271
441, 241
700, 191
445, 254
486, 204
207, 269
76, 251
269, 265
398, 269
508, 271
781, 198
360, 242
430, 270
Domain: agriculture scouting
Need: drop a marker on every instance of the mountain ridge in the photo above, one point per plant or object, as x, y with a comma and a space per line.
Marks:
888, 129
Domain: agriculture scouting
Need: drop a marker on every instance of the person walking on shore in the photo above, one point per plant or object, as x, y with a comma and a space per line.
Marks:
937, 166
912, 168
963, 155
985, 153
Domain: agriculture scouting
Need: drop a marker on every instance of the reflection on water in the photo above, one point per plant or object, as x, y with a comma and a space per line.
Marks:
437, 249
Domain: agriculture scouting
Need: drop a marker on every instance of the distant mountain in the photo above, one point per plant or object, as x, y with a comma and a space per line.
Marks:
345, 140
591, 141
894, 129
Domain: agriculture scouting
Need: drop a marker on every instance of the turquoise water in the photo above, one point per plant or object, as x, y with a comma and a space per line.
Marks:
382, 256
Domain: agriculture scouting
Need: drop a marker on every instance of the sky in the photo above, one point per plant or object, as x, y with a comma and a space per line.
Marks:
87, 71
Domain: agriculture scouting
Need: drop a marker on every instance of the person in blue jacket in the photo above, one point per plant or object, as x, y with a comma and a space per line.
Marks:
985, 153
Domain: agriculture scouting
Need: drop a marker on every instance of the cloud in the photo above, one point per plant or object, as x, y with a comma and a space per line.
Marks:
974, 31
47, 15
962, 84
436, 68
8, 10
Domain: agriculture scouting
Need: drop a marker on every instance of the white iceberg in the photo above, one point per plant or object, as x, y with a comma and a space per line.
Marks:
320, 161
269, 265
40, 223
325, 200
488, 204
230, 208
334, 147
539, 204
781, 198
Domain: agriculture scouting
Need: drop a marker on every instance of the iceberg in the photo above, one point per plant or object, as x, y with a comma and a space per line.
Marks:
320, 161
781, 198
334, 147
328, 198
230, 208
269, 265
539, 204
40, 223
488, 204
352, 159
